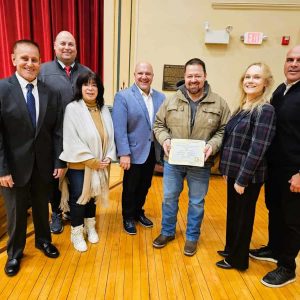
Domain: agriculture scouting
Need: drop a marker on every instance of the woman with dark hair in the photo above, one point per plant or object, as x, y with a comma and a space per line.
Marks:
88, 140
247, 136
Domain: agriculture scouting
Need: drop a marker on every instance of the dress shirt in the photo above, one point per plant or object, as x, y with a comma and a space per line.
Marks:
149, 103
23, 83
288, 86
63, 65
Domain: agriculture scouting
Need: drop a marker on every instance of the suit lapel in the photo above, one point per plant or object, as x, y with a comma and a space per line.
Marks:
156, 105
19, 100
43, 102
141, 102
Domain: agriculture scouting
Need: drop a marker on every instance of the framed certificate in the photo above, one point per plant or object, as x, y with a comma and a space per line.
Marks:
187, 152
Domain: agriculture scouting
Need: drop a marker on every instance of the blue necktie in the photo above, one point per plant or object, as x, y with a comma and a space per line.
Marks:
31, 104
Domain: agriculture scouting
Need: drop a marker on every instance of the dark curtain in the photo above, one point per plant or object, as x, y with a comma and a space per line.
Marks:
41, 20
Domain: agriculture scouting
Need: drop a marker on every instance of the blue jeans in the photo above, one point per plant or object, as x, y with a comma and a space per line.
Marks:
197, 179
78, 211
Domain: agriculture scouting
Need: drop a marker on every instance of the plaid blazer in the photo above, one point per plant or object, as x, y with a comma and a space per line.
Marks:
247, 137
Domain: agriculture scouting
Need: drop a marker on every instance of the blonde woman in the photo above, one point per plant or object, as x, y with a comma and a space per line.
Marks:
247, 137
88, 140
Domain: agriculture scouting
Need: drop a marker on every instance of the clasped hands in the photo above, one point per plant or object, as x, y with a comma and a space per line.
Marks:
104, 163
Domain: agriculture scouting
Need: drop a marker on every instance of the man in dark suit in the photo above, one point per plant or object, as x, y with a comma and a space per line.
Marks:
133, 116
30, 144
61, 75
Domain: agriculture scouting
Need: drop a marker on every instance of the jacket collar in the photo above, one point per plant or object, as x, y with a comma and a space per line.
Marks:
182, 94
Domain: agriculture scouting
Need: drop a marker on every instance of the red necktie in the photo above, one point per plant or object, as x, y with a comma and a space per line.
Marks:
68, 70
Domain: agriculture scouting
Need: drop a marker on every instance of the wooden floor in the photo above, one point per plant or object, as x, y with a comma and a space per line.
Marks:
121, 266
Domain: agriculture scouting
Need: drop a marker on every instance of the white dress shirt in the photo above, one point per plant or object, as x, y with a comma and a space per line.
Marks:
288, 86
149, 104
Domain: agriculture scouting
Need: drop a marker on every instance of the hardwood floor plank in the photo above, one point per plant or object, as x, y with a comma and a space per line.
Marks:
115, 230
128, 267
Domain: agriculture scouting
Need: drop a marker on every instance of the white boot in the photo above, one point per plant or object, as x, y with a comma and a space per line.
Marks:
89, 226
77, 238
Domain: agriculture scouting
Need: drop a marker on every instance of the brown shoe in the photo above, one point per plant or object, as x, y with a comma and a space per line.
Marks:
190, 248
162, 240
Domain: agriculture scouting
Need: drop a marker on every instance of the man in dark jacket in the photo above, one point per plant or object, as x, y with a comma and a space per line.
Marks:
61, 75
30, 144
283, 186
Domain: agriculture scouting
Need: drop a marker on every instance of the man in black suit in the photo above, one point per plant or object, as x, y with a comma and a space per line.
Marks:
30, 144
61, 75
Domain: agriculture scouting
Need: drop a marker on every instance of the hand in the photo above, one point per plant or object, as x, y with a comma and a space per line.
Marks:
239, 189
295, 183
207, 151
6, 181
104, 163
125, 162
225, 177
167, 146
59, 172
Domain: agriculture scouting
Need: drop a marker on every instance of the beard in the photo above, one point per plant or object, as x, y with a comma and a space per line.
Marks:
194, 90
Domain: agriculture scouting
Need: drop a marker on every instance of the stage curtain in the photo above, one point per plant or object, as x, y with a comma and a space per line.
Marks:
41, 20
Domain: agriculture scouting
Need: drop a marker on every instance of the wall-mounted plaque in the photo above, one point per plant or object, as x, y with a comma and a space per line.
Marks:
172, 74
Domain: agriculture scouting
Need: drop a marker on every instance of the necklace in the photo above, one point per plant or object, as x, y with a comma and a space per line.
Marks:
93, 109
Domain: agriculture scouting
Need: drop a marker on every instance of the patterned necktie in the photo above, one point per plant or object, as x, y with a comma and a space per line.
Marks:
31, 104
68, 70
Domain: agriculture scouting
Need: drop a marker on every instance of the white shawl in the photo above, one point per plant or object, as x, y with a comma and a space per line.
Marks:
81, 142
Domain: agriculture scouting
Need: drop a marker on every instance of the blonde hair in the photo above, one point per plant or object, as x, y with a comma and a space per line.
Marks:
261, 99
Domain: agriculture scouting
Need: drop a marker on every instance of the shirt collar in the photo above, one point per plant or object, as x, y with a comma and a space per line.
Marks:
143, 93
63, 65
291, 84
23, 82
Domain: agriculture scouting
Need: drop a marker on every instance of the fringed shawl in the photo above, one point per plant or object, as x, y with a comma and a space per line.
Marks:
81, 142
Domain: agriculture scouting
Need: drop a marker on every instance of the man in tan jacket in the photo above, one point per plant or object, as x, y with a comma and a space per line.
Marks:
193, 112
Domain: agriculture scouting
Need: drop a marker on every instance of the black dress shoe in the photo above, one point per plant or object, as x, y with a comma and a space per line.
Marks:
48, 249
223, 253
144, 221
129, 226
12, 267
223, 264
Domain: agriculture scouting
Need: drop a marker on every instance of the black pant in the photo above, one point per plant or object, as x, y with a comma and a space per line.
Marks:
55, 198
78, 211
16, 202
239, 224
284, 216
136, 182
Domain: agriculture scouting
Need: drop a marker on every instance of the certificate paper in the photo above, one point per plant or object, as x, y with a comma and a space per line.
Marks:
187, 152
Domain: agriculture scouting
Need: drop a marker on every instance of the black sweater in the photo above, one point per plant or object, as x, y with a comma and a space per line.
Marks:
285, 148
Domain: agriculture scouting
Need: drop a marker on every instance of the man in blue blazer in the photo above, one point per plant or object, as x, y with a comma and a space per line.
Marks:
133, 115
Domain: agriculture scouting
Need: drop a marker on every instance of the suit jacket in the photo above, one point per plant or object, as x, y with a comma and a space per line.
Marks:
21, 146
56, 77
246, 140
132, 126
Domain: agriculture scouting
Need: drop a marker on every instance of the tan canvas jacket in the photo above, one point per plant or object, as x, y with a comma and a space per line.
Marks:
174, 116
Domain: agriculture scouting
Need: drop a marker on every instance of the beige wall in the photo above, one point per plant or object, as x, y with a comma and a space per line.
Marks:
172, 31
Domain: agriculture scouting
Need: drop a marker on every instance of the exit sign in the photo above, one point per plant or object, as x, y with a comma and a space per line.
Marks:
253, 38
